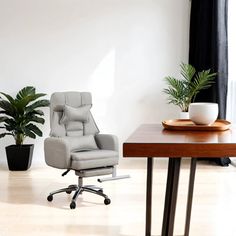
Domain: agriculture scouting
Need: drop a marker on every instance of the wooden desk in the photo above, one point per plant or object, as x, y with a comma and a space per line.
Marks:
152, 141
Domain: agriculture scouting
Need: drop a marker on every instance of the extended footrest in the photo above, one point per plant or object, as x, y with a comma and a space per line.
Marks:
95, 172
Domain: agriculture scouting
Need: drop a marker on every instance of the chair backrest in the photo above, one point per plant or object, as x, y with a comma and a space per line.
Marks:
58, 102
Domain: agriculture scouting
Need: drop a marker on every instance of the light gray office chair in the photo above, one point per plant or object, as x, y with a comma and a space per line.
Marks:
75, 143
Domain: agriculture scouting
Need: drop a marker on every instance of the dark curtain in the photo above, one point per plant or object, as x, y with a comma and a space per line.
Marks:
208, 49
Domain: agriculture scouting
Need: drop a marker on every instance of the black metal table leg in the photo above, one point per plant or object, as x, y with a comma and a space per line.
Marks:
149, 196
190, 195
171, 196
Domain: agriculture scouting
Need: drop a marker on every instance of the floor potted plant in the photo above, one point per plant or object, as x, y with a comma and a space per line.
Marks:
182, 92
19, 117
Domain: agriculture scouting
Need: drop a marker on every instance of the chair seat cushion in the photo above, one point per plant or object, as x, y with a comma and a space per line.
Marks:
93, 159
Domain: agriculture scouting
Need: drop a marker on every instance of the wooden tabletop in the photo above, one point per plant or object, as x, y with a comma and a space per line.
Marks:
152, 140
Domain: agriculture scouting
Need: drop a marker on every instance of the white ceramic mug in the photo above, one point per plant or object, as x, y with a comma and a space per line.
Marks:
203, 113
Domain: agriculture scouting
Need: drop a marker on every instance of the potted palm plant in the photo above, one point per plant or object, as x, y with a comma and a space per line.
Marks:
19, 117
182, 92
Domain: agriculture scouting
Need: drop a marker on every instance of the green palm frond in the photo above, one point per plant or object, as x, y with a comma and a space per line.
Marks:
174, 83
176, 91
187, 71
202, 80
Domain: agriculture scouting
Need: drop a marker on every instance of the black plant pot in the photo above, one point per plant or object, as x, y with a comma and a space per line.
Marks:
19, 157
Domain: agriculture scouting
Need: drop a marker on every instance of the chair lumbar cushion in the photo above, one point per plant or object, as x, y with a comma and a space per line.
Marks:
75, 114
81, 143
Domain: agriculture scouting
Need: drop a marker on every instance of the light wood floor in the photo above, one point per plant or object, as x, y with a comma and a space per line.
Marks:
24, 209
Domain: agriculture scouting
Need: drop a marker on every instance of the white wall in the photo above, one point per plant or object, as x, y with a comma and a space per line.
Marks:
120, 50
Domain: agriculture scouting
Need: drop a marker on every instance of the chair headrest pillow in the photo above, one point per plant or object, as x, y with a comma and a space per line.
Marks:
75, 114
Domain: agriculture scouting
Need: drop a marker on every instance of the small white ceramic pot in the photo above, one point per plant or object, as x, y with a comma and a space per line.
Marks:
203, 113
184, 115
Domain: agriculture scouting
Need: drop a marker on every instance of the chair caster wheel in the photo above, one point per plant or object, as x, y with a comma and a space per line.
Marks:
50, 198
72, 205
68, 191
107, 201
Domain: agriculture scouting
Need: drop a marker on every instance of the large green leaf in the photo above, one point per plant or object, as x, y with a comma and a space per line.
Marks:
7, 107
38, 112
37, 104
11, 125
26, 96
33, 128
34, 118
23, 102
4, 134
3, 118
26, 91
9, 98
29, 133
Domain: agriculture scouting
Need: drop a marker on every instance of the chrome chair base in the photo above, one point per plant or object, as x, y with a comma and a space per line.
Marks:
79, 189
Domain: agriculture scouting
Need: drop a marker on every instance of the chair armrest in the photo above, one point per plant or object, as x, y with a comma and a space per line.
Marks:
57, 153
107, 142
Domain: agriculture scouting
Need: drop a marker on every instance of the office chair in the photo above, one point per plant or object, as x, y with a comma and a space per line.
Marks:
76, 144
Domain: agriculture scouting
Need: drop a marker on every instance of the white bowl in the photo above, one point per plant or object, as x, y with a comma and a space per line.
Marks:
203, 113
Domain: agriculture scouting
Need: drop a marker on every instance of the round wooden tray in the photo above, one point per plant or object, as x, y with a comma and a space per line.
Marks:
186, 124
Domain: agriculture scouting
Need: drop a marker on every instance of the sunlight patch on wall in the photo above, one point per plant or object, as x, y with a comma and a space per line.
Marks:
231, 96
103, 81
